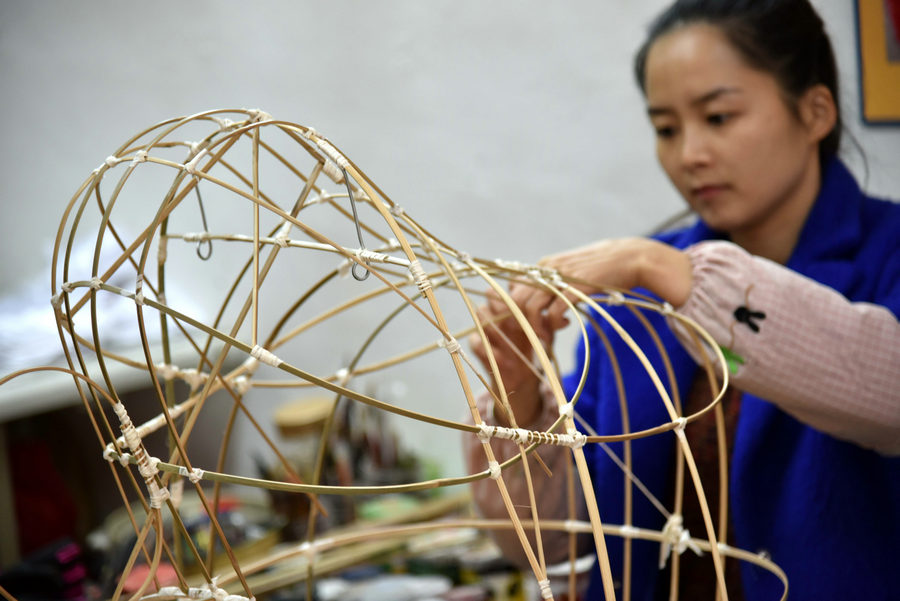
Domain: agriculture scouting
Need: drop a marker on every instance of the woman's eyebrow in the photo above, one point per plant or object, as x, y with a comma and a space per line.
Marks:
698, 101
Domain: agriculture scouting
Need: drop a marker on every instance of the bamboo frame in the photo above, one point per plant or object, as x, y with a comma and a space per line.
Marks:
408, 265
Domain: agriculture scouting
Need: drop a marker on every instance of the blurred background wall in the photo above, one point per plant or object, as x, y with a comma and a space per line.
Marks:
512, 129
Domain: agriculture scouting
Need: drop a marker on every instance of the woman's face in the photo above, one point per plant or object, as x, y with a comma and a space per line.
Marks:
725, 135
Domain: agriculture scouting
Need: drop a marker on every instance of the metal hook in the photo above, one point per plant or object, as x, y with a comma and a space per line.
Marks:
359, 236
207, 241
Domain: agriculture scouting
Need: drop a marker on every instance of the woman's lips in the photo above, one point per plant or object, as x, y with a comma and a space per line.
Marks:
708, 192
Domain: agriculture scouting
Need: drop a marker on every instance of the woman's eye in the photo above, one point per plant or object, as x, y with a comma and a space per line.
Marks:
664, 131
717, 118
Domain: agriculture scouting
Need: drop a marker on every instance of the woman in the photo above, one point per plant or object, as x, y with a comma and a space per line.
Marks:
791, 268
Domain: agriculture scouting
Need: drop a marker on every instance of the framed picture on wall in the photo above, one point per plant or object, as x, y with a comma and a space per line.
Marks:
878, 30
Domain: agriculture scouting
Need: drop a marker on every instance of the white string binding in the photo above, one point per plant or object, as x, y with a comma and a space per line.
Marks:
162, 250
147, 466
241, 384
675, 539
257, 115
332, 171
332, 153
451, 344
139, 157
139, 289
546, 591
615, 298
265, 356
191, 166
342, 376
166, 371
282, 239
419, 276
494, 470
573, 440
196, 237
224, 124
194, 475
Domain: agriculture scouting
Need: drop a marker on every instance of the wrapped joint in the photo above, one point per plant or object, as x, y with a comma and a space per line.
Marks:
615, 298
224, 124
567, 410
110, 453
494, 469
139, 157
680, 423
68, 287
332, 153
332, 171
128, 431
675, 539
241, 384
265, 356
257, 115
196, 237
194, 378
282, 237
451, 344
158, 495
194, 475
367, 255
419, 276
95, 283
250, 364
191, 166
667, 308
546, 591
397, 211
112, 161
162, 250
310, 550
149, 467
573, 440
342, 376
56, 300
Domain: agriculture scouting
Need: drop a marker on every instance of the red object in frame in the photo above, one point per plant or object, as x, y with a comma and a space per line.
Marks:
892, 7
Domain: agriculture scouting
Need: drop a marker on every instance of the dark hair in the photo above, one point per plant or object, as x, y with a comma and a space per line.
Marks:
785, 38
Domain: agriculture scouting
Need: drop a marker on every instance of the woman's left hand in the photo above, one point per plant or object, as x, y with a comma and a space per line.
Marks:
621, 263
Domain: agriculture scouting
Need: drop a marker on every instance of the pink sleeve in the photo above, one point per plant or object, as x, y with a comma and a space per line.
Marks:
830, 363
550, 491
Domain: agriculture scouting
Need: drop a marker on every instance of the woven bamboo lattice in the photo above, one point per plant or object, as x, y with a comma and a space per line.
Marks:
272, 174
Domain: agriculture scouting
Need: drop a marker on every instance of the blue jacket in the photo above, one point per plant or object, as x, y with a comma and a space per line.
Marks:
825, 510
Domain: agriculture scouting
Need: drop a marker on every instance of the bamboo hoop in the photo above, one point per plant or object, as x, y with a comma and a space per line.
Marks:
406, 265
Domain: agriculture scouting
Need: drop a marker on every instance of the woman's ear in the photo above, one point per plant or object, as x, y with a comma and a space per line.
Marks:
818, 112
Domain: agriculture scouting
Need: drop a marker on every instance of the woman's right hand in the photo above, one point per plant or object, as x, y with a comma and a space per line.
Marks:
513, 354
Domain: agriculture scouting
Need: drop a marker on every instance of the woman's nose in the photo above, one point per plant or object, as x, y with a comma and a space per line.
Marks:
695, 149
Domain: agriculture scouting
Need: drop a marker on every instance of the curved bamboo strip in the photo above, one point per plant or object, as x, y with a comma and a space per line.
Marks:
410, 266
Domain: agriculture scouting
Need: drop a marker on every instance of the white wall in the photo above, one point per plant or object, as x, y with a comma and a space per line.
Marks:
513, 129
